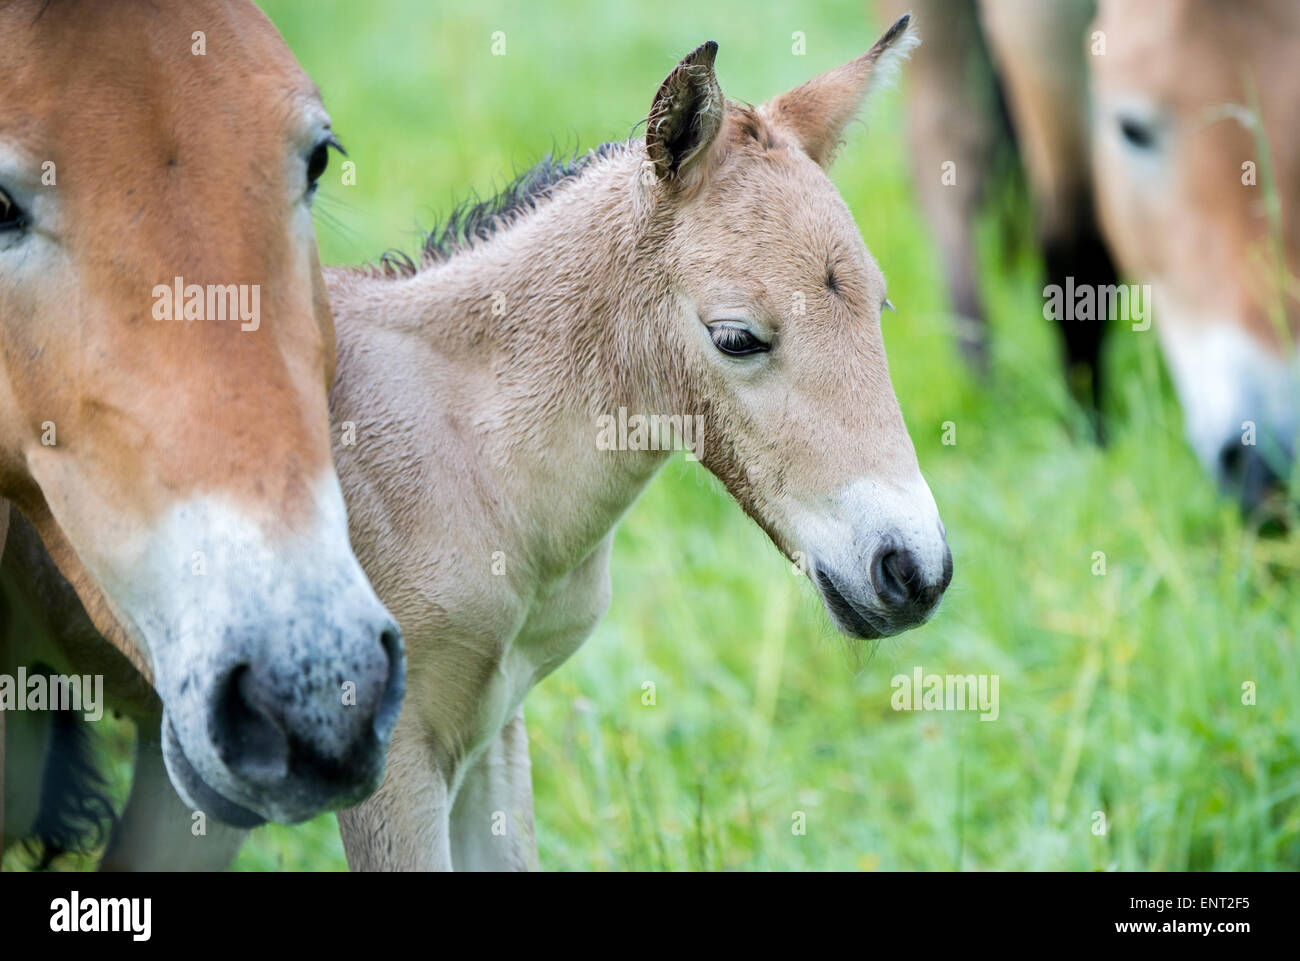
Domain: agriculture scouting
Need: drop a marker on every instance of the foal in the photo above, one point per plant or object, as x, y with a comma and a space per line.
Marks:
710, 272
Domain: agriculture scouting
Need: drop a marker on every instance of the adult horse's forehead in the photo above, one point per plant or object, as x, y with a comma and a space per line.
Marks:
148, 69
145, 132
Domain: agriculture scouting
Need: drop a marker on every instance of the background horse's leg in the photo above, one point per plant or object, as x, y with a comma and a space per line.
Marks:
156, 831
404, 825
492, 818
954, 125
1041, 56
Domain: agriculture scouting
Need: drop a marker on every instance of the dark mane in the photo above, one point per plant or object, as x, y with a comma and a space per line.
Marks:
76, 813
477, 220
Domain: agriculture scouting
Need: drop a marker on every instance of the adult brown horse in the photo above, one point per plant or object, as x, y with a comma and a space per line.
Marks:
166, 348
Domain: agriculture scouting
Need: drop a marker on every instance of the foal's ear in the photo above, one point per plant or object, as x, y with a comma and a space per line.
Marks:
686, 114
817, 113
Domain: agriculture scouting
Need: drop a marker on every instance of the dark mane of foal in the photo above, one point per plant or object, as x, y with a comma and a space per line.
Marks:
476, 220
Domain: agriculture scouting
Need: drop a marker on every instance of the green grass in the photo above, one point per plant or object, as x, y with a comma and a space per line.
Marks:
1119, 693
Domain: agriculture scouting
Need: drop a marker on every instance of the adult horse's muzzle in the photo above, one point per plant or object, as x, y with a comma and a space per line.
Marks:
275, 746
280, 672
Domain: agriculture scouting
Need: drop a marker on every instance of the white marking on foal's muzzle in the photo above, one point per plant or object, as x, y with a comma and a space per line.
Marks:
865, 524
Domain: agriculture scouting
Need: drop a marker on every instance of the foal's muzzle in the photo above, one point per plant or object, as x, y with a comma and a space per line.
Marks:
895, 592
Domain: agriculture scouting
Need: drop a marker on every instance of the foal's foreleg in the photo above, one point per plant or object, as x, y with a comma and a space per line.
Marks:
492, 819
403, 825
157, 832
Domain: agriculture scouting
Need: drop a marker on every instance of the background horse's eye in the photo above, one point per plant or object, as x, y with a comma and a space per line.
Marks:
735, 340
11, 215
1136, 133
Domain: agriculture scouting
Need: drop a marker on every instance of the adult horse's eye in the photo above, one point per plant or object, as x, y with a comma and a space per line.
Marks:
11, 215
1136, 133
317, 162
736, 340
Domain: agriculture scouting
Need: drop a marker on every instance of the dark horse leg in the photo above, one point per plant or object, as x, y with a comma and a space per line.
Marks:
1081, 256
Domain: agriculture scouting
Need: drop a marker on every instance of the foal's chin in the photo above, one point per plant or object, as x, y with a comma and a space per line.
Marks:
863, 619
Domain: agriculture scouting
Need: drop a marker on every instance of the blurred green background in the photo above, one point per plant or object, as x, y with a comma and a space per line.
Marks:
1119, 693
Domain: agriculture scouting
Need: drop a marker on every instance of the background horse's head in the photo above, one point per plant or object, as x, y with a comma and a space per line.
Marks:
775, 336
1197, 162
174, 452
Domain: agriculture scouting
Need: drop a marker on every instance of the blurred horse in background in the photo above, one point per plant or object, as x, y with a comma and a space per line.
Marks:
1159, 138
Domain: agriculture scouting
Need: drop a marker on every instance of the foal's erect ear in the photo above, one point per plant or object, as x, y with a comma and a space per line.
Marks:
686, 114
817, 112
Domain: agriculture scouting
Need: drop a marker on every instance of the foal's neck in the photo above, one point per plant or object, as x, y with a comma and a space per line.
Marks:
548, 324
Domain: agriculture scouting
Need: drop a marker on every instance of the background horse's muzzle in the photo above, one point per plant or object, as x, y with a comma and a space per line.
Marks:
1255, 474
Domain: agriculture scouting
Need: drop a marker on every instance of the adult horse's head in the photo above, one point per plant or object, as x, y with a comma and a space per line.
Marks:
1195, 127
166, 347
775, 337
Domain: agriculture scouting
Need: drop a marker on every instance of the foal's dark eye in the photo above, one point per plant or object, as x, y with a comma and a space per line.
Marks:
735, 340
1136, 133
11, 215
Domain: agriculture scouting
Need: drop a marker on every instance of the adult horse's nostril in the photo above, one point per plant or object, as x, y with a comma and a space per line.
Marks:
896, 577
390, 702
245, 732
947, 569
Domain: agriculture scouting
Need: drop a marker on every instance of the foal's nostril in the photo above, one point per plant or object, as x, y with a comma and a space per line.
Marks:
901, 584
895, 577
245, 732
